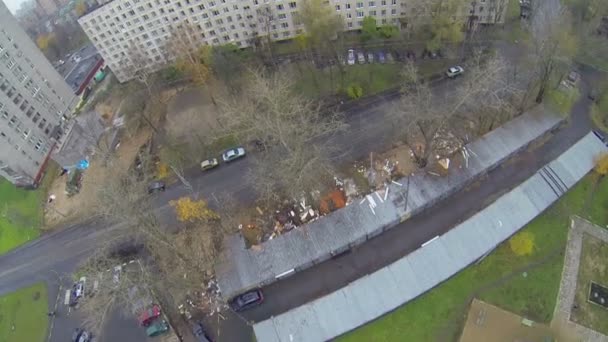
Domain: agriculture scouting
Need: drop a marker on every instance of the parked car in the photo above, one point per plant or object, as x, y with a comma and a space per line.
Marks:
454, 71
157, 328
247, 300
79, 288
390, 58
370, 57
233, 153
351, 57
150, 314
381, 57
360, 57
209, 164
199, 332
156, 186
81, 335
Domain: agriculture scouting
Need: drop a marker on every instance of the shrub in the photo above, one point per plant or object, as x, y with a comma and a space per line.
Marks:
522, 243
354, 91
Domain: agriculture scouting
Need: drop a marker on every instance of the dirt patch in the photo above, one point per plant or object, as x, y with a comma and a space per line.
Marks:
592, 268
486, 322
190, 112
65, 209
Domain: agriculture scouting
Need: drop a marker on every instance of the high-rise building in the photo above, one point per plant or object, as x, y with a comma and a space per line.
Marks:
34, 103
117, 26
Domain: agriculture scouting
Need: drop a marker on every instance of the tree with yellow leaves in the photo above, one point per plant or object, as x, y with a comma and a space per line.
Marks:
81, 8
522, 243
189, 210
601, 164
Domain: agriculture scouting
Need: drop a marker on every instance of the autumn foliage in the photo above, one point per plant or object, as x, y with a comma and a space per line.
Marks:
332, 201
601, 164
522, 244
189, 210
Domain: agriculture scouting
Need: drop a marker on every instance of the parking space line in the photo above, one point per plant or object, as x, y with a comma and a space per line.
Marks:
66, 301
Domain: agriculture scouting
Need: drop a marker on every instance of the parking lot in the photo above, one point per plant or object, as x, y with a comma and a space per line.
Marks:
119, 325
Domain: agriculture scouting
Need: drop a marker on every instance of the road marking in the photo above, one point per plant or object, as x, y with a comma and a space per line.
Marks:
66, 301
431, 240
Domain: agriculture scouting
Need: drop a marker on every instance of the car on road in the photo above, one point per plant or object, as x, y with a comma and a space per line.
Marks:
247, 300
159, 327
233, 153
199, 332
150, 314
454, 71
360, 57
209, 164
370, 57
350, 58
156, 186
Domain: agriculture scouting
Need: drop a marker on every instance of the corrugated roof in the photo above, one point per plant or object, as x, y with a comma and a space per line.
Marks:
241, 269
361, 301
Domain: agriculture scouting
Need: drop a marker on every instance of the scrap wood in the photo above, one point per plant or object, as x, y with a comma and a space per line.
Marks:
397, 183
386, 193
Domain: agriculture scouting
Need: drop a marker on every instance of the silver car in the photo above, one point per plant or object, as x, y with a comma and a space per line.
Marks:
233, 153
360, 57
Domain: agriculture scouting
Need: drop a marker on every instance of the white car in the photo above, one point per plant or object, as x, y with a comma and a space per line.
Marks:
233, 153
454, 71
370, 57
351, 57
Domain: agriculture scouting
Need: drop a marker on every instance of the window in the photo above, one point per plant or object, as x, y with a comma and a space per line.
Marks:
348, 15
359, 5
350, 24
219, 21
280, 7
11, 92
372, 13
383, 2
215, 12
360, 14
383, 12
211, 3
292, 5
337, 7
18, 99
393, 2
393, 11
284, 25
29, 112
347, 6
36, 117
282, 16
42, 123
371, 3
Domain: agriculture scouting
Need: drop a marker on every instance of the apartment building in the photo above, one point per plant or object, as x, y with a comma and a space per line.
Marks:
33, 101
118, 27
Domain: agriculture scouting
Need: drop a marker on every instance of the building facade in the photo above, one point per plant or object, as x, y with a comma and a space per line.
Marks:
34, 102
119, 26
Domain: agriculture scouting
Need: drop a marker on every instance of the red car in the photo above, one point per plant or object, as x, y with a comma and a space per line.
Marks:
149, 315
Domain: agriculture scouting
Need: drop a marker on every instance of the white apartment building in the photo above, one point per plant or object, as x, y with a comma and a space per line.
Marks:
33, 101
119, 26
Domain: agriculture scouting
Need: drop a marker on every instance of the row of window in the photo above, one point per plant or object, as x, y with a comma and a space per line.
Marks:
25, 133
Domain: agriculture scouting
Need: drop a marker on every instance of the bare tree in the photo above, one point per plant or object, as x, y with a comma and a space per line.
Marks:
553, 44
425, 118
295, 132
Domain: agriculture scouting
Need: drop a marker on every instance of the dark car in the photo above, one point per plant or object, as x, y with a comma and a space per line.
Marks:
247, 300
199, 332
156, 186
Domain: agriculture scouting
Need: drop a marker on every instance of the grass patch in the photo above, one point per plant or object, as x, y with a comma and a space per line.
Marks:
373, 78
592, 268
563, 98
498, 279
23, 315
21, 212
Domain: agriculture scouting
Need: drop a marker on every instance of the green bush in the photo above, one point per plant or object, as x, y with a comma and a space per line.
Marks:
354, 91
